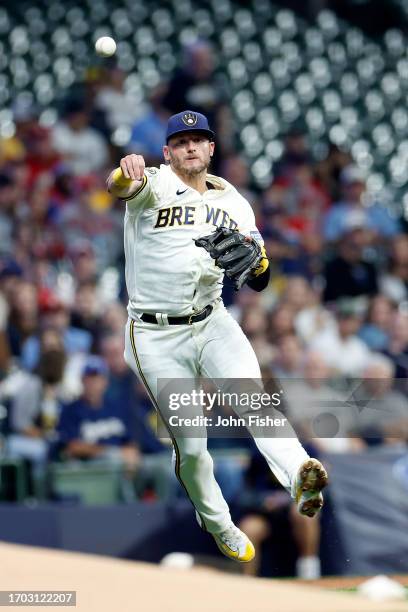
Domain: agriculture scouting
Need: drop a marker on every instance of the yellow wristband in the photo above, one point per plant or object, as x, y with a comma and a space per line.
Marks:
263, 264
119, 179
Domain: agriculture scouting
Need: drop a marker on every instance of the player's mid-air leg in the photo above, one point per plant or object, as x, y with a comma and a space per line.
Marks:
228, 355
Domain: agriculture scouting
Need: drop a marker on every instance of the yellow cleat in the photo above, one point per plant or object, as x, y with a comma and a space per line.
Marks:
234, 544
310, 480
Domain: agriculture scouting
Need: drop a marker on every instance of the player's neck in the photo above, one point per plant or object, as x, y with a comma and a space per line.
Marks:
197, 182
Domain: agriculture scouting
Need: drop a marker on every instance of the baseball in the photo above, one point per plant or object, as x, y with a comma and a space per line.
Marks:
105, 46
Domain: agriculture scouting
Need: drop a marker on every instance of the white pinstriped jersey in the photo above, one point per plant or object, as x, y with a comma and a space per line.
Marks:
165, 271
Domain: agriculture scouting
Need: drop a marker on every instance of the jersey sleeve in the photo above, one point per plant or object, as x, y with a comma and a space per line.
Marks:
247, 224
146, 194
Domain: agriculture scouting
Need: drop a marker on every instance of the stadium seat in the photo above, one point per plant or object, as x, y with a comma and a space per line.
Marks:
13, 480
89, 484
269, 56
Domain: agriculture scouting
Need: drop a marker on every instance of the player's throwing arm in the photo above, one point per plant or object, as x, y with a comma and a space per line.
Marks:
125, 180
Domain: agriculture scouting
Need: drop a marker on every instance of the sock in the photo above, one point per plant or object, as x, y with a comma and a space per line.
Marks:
308, 568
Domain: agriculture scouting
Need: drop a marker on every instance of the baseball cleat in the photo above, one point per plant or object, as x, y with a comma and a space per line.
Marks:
233, 543
310, 480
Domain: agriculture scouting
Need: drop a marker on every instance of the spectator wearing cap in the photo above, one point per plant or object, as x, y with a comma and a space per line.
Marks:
345, 353
349, 273
375, 218
93, 426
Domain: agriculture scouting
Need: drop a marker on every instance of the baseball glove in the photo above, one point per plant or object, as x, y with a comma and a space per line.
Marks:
238, 255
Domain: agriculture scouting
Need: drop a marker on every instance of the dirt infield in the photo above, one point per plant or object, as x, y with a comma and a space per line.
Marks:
350, 582
110, 585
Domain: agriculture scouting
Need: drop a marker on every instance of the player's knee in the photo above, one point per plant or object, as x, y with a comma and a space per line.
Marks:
196, 456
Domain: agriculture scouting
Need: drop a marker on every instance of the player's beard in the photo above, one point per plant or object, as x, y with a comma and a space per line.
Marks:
189, 172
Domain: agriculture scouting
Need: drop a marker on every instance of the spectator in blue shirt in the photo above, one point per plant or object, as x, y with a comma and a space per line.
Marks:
93, 427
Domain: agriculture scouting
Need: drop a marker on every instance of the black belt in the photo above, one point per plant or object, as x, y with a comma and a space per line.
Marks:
195, 317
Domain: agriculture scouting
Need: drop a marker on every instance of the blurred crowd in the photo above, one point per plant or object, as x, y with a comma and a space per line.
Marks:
336, 307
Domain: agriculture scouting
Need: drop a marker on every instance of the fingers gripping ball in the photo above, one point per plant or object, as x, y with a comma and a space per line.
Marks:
238, 255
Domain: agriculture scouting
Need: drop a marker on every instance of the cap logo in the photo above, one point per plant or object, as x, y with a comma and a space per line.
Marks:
189, 119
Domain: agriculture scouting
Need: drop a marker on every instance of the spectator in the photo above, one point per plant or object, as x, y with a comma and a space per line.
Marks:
23, 319
197, 86
375, 331
56, 316
292, 242
375, 218
85, 313
95, 428
348, 273
35, 410
254, 323
345, 353
312, 319
10, 198
296, 152
149, 130
269, 509
329, 170
382, 411
84, 262
41, 157
115, 101
304, 202
297, 293
82, 147
394, 283
234, 168
114, 318
124, 389
319, 414
397, 349
281, 322
289, 357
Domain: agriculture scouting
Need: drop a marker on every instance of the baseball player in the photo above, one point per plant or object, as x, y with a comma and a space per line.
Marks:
183, 230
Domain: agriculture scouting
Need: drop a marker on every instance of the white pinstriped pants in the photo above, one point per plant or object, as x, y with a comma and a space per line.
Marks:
214, 348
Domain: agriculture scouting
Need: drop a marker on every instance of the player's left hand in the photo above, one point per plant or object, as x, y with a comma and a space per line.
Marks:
237, 254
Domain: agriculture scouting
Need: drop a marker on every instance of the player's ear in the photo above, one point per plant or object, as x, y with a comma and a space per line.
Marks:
212, 147
166, 154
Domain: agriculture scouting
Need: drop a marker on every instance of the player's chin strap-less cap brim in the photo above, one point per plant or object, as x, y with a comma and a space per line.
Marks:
188, 121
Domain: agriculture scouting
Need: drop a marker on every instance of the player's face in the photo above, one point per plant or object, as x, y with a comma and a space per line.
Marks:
189, 154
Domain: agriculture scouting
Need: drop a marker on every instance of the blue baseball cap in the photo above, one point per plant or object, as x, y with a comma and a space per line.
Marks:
188, 121
95, 365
